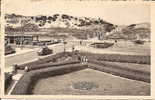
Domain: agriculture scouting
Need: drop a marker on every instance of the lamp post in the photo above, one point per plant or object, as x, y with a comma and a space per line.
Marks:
22, 33
64, 42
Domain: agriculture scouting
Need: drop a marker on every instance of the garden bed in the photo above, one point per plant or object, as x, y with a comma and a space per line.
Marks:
90, 82
102, 45
28, 81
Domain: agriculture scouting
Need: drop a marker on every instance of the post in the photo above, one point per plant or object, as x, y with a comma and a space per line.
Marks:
64, 42
21, 38
73, 48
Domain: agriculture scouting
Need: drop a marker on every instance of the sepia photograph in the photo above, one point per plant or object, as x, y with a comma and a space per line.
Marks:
68, 99
57, 48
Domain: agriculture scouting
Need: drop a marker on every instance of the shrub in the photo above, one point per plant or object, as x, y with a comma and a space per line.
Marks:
122, 71
65, 16
8, 79
52, 58
51, 65
139, 59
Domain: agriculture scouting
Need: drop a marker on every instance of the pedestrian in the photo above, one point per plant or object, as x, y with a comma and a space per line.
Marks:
86, 60
73, 48
26, 69
79, 58
80, 42
14, 69
115, 41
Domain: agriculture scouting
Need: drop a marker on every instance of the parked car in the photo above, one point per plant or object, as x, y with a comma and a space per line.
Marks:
9, 50
44, 51
139, 41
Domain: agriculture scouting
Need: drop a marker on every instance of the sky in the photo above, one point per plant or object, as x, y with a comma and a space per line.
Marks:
116, 13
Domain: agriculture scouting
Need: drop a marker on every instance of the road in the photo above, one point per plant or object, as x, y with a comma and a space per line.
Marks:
32, 55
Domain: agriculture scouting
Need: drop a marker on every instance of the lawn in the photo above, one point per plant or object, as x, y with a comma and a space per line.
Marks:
105, 84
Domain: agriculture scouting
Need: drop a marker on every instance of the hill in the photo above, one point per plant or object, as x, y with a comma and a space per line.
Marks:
80, 27
133, 31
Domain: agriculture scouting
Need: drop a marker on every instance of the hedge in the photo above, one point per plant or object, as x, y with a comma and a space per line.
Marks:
48, 59
8, 79
130, 73
35, 67
53, 64
139, 59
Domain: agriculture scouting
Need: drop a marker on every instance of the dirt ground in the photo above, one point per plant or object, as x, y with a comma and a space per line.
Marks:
107, 84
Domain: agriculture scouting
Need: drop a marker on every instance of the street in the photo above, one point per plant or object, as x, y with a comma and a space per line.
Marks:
32, 55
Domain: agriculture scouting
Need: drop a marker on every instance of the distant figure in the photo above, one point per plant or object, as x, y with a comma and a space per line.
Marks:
73, 48
79, 58
80, 42
26, 69
86, 60
115, 41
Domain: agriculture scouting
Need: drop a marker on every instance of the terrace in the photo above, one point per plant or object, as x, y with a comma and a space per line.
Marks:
101, 74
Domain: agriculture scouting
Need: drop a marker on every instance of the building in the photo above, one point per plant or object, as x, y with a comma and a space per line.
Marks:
21, 39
